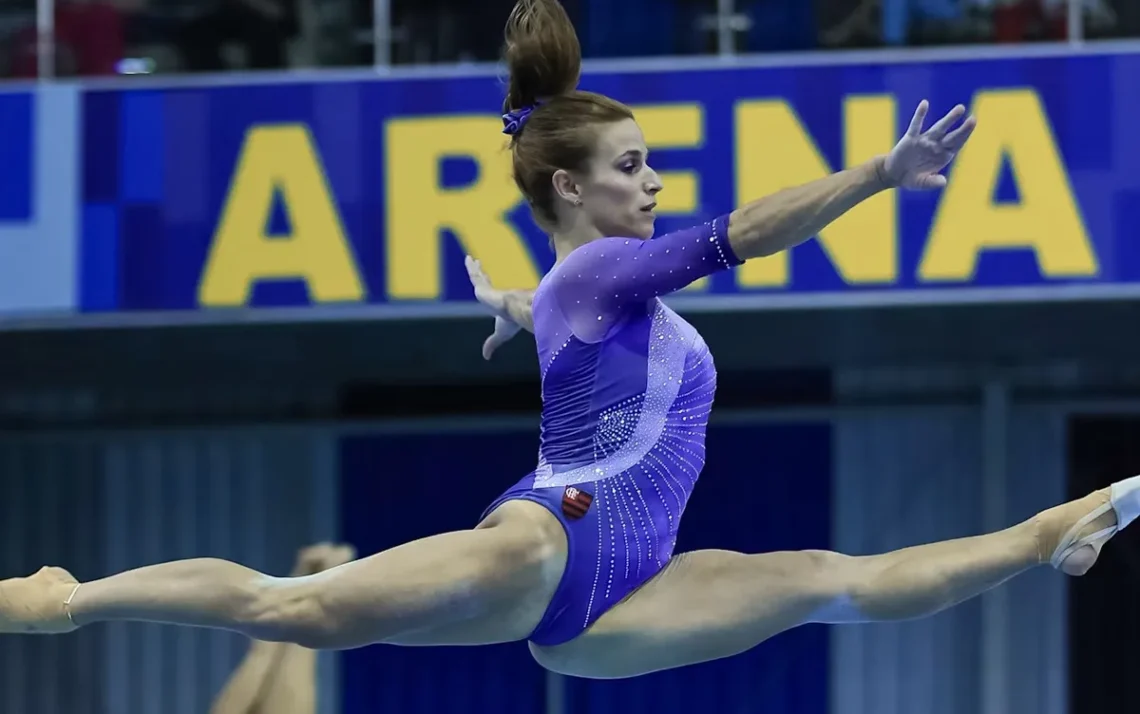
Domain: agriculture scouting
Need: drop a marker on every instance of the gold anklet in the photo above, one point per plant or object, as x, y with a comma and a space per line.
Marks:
67, 604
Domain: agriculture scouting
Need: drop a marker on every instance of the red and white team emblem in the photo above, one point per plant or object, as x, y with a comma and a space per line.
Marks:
575, 502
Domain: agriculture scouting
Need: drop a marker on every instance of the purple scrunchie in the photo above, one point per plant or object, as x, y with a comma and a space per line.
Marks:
513, 121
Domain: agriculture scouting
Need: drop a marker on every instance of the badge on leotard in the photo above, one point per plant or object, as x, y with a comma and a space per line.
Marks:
575, 502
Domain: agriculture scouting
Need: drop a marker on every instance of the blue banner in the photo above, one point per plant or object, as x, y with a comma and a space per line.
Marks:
370, 191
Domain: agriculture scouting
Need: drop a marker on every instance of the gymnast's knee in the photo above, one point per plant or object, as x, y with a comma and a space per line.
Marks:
292, 610
859, 589
837, 587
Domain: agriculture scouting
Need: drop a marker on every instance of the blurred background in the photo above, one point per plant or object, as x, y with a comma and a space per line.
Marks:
234, 321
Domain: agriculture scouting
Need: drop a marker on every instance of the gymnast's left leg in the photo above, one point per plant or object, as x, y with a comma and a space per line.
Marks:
712, 604
487, 585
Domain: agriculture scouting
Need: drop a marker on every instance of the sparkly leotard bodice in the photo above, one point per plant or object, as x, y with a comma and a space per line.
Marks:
627, 388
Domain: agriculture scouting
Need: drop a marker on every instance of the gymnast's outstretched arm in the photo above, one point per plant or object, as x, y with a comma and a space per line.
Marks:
790, 217
602, 278
607, 276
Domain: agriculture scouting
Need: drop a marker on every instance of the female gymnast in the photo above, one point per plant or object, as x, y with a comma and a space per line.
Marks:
577, 558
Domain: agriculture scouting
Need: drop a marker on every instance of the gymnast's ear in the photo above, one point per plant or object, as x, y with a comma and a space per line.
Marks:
566, 187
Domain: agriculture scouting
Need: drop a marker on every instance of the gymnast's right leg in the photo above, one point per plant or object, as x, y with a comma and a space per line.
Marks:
483, 586
711, 604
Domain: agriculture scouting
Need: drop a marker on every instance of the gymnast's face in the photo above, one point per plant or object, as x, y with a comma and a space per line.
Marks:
618, 190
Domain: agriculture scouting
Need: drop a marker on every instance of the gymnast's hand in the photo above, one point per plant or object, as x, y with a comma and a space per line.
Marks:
917, 159
498, 302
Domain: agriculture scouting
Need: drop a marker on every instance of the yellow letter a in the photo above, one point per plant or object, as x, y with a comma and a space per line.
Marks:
279, 158
1012, 125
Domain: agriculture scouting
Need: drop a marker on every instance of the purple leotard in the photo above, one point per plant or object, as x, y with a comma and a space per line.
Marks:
627, 387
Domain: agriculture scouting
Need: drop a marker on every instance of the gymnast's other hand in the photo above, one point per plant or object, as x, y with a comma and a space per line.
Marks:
917, 159
497, 302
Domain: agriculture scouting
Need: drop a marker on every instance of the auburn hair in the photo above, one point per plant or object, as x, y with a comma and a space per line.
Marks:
544, 59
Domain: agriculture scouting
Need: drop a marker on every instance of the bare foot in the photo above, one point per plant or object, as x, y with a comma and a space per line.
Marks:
36, 604
1055, 523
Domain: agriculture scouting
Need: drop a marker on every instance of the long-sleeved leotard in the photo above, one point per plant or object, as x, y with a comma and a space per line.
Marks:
627, 387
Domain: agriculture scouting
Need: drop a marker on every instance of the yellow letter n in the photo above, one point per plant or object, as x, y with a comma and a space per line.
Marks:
774, 151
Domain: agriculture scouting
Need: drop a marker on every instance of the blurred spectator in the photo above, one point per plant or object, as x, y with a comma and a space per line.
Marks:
262, 27
897, 23
88, 40
1034, 20
1100, 17
923, 22
1024, 20
279, 678
900, 16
